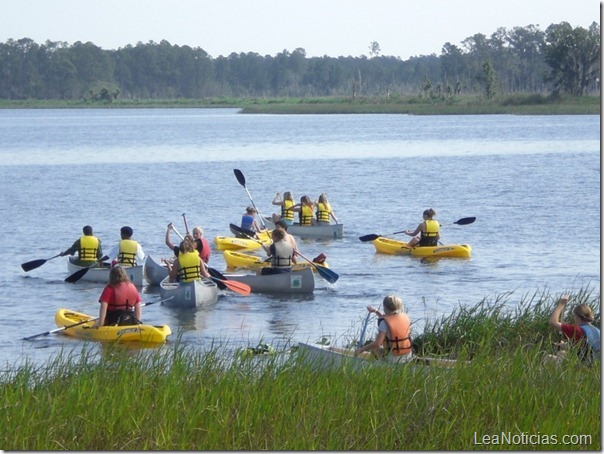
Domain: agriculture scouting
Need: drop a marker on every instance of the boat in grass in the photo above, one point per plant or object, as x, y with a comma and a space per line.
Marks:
101, 273
396, 247
154, 271
148, 334
296, 282
318, 231
226, 243
198, 293
328, 357
240, 260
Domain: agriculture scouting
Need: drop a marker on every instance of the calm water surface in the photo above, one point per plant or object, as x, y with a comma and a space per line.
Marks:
533, 182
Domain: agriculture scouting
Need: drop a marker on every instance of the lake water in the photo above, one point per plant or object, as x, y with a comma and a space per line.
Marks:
533, 183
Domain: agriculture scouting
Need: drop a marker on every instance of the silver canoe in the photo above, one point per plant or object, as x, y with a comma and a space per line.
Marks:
101, 273
199, 293
320, 231
295, 282
154, 272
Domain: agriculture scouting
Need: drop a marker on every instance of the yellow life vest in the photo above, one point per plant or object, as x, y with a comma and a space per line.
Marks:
89, 245
190, 268
127, 254
432, 228
286, 213
306, 215
323, 210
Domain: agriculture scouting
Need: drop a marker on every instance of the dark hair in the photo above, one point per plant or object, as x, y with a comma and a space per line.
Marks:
278, 234
282, 224
429, 213
87, 230
126, 231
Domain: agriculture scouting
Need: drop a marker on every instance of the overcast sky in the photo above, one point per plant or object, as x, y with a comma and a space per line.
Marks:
403, 28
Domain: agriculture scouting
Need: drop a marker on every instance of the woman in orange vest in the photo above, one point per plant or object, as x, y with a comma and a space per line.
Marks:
120, 300
393, 341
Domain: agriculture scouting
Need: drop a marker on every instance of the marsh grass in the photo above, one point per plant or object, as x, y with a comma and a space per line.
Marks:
180, 399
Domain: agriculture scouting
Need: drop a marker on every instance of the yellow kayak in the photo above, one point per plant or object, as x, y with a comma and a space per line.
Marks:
128, 333
231, 243
241, 260
396, 247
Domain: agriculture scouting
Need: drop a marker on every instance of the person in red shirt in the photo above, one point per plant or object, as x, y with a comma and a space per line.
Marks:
582, 334
120, 300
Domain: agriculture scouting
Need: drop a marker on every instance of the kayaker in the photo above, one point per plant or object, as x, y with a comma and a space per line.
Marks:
128, 252
281, 253
188, 266
87, 246
393, 341
248, 220
286, 203
428, 231
582, 334
324, 211
305, 210
120, 300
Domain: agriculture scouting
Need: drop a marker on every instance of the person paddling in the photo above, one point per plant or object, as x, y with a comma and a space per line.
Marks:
120, 300
428, 231
88, 248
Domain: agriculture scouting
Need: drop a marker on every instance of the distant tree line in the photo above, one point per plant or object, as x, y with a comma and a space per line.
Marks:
520, 60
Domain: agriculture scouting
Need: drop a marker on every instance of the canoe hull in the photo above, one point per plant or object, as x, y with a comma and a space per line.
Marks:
324, 232
101, 273
186, 295
396, 247
327, 357
240, 260
296, 282
129, 333
154, 272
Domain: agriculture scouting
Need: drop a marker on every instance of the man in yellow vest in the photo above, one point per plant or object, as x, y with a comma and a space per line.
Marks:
128, 252
87, 246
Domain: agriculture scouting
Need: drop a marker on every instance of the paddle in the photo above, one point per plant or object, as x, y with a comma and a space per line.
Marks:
373, 236
28, 266
223, 282
241, 179
184, 217
63, 328
79, 274
241, 231
362, 338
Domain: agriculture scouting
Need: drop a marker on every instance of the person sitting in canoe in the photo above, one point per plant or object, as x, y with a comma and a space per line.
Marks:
582, 334
120, 300
428, 231
128, 252
188, 266
324, 211
281, 253
393, 341
286, 203
306, 211
202, 244
88, 247
281, 223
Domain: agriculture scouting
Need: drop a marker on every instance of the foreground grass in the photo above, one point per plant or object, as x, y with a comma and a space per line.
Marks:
177, 399
460, 105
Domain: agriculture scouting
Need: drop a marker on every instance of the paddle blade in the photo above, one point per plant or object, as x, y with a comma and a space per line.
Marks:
370, 237
465, 221
79, 274
28, 266
238, 287
327, 274
240, 177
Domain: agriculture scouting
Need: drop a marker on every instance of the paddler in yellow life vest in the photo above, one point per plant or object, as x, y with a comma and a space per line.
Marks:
286, 203
324, 211
188, 266
128, 252
87, 246
428, 230
393, 341
306, 211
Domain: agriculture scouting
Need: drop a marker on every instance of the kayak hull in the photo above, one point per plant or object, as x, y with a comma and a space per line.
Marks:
297, 282
226, 243
395, 247
128, 333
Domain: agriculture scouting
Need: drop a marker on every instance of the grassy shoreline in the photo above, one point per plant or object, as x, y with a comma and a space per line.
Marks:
412, 105
179, 399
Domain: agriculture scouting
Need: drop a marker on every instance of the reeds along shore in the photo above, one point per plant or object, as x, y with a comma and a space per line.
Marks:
174, 398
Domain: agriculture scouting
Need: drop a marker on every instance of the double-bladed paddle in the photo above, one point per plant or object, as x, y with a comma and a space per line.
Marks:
79, 274
32, 265
373, 236
63, 328
241, 179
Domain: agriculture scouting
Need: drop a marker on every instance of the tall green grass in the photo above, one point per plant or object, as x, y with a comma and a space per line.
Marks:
181, 399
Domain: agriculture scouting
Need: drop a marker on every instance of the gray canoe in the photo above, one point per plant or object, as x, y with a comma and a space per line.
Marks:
101, 273
296, 282
154, 272
199, 293
322, 231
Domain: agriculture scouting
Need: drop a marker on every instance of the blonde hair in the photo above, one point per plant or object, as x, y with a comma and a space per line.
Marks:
393, 304
584, 312
198, 229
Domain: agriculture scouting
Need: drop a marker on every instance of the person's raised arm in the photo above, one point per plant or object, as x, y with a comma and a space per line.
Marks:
168, 240
554, 320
